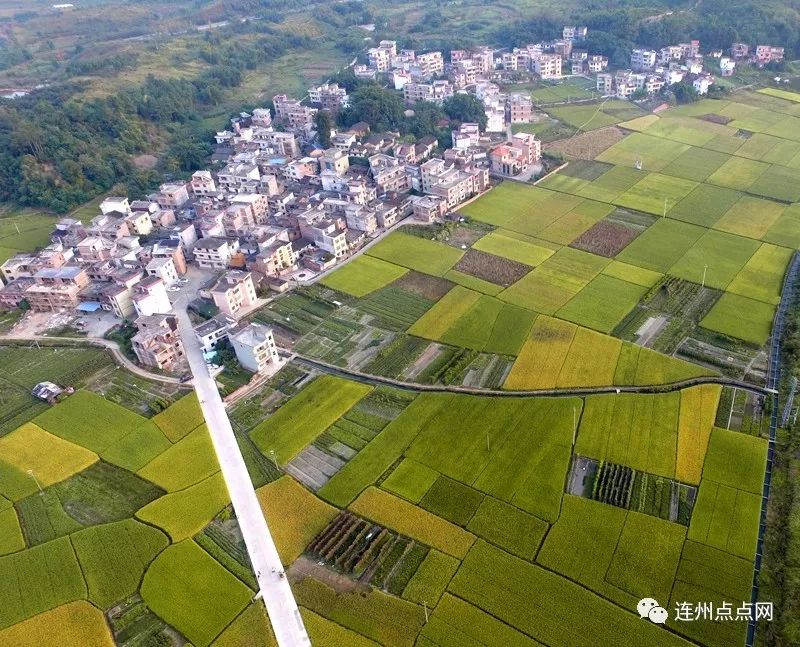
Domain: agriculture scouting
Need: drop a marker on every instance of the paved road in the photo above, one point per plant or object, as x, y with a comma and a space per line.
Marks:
276, 593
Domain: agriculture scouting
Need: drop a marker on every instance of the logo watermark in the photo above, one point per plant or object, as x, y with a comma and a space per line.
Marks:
716, 612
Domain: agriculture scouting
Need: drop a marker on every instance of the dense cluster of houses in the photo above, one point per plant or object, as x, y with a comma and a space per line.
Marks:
274, 205
651, 69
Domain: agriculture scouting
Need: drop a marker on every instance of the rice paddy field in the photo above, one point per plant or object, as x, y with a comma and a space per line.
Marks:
701, 193
94, 553
471, 507
499, 516
462, 509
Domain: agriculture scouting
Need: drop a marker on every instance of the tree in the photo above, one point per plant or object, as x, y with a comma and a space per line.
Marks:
323, 123
426, 118
465, 108
382, 109
684, 92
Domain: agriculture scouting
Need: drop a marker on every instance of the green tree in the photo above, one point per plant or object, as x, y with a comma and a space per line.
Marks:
382, 109
684, 92
465, 108
426, 119
323, 123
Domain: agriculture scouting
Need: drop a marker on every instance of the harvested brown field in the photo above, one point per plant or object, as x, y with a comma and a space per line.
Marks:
606, 238
429, 287
588, 145
495, 269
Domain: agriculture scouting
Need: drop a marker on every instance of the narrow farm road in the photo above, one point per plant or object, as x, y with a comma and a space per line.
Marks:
284, 615
108, 344
378, 380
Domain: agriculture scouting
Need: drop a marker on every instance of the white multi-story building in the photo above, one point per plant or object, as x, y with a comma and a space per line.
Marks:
381, 57
150, 297
214, 252
255, 348
547, 66
210, 332
643, 60
164, 268
702, 83
726, 66
436, 92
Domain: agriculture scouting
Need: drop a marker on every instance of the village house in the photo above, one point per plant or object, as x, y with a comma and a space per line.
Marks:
214, 253
157, 342
150, 297
234, 291
255, 348
214, 330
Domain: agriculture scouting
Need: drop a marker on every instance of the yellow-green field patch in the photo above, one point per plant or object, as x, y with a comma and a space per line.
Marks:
549, 286
705, 205
75, 623
697, 413
738, 173
416, 253
436, 321
716, 258
295, 516
655, 193
591, 360
762, 277
750, 216
30, 455
363, 275
632, 274
602, 304
522, 251
542, 356
741, 318
407, 519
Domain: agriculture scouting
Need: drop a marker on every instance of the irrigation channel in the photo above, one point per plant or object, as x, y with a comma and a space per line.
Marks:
773, 380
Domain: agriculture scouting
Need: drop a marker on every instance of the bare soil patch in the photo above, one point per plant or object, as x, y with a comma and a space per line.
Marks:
606, 238
306, 567
587, 145
497, 270
430, 287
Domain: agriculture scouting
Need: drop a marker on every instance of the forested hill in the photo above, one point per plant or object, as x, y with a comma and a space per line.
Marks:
65, 144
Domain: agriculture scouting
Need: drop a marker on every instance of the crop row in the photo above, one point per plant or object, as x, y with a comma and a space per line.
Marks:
613, 484
397, 355
394, 309
369, 552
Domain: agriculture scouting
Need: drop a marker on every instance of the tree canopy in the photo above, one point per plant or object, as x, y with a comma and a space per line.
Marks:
465, 108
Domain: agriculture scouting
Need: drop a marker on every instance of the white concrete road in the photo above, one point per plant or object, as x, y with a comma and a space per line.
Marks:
275, 591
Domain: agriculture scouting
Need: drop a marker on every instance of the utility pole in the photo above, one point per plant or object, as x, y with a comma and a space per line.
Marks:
705, 269
665, 207
425, 606
274, 460
488, 450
